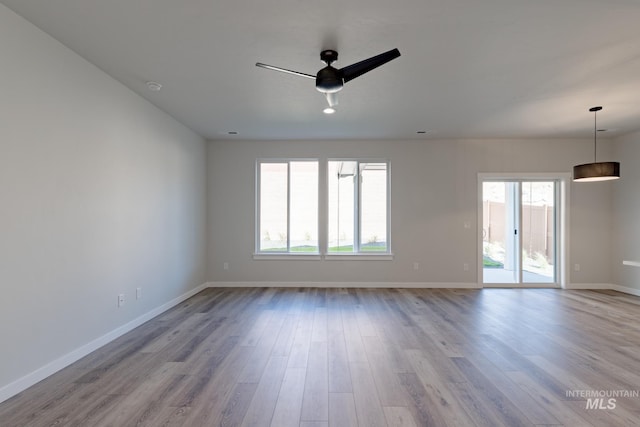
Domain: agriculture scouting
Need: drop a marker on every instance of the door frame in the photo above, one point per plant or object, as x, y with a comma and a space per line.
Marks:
562, 226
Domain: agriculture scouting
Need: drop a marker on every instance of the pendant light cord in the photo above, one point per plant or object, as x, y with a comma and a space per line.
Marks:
595, 138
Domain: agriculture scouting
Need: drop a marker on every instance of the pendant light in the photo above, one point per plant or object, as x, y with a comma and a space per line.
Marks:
596, 171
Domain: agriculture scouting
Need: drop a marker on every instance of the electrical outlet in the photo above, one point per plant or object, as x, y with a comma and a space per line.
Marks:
225, 265
138, 293
465, 266
416, 266
120, 300
576, 267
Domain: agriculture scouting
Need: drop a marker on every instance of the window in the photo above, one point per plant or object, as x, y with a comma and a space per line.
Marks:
352, 206
358, 208
287, 206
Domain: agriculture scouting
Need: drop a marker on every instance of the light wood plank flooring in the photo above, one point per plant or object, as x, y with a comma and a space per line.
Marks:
358, 357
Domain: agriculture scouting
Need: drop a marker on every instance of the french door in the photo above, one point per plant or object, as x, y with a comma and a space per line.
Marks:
520, 232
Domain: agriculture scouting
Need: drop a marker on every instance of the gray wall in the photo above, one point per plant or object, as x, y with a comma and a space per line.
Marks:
100, 193
626, 214
433, 192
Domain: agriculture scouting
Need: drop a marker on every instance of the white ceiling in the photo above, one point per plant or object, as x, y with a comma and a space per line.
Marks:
469, 68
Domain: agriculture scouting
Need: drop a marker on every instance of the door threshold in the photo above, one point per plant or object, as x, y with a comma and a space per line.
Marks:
521, 285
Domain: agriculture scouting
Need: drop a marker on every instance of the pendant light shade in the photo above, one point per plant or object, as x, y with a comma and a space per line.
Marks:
596, 171
601, 171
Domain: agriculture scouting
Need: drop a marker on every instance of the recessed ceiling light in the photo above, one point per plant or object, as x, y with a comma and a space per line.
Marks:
154, 86
232, 132
329, 110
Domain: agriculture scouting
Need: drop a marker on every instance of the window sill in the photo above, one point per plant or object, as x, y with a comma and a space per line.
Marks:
359, 257
318, 257
288, 256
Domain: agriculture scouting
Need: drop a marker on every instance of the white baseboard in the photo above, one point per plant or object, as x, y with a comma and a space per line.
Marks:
411, 285
586, 286
626, 290
378, 285
604, 286
51, 368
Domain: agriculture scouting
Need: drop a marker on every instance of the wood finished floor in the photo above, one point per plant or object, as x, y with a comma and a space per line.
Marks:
356, 357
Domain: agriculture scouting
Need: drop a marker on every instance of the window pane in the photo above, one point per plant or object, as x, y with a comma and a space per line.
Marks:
341, 205
373, 202
273, 207
304, 207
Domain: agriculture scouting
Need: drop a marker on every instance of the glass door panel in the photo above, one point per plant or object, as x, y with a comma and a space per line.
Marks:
499, 243
538, 231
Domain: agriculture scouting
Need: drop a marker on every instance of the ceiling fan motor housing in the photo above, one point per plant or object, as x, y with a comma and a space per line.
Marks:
329, 80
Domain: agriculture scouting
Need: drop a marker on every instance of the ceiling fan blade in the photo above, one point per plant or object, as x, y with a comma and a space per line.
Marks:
352, 71
332, 98
284, 70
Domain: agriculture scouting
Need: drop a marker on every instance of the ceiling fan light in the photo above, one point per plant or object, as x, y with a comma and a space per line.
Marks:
329, 110
600, 171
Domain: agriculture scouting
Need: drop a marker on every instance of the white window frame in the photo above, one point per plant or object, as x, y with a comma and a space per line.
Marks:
357, 253
258, 254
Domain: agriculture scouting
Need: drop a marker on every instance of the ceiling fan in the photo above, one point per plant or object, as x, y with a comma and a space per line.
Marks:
330, 80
